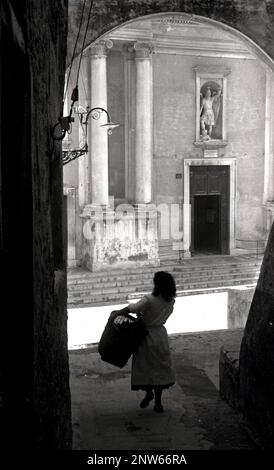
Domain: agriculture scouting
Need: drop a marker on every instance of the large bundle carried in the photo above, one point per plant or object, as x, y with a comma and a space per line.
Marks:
121, 337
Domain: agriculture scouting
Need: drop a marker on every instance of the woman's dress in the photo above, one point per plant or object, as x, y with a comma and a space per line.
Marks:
151, 363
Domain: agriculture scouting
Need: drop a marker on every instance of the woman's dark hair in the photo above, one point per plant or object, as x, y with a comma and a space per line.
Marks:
164, 285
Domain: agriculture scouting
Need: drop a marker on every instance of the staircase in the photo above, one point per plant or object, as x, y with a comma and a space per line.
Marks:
192, 276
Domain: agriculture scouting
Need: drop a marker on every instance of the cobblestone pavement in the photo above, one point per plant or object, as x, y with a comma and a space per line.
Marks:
106, 413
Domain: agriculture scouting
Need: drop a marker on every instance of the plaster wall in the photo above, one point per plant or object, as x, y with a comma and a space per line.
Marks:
174, 131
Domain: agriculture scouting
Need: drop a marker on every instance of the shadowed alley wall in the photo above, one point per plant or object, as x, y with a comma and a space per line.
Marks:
36, 396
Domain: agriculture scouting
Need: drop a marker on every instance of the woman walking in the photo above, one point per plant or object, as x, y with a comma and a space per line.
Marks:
151, 364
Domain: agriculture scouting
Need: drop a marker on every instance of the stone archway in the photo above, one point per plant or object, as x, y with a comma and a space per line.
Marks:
168, 19
253, 20
241, 18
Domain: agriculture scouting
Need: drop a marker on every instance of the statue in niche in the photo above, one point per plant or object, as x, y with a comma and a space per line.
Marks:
210, 111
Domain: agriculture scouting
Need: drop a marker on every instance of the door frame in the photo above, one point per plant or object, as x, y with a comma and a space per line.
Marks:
231, 163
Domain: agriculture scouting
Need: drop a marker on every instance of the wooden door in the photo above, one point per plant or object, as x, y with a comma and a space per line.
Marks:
211, 180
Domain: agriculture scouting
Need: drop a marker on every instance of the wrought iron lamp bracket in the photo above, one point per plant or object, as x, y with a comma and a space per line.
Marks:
63, 126
70, 155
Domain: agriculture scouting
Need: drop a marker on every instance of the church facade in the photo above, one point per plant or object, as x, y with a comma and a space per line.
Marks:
190, 167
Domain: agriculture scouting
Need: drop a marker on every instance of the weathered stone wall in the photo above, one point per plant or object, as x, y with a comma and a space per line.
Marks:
239, 301
36, 393
125, 239
229, 376
174, 118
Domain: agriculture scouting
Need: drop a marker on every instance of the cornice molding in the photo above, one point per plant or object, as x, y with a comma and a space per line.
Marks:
189, 45
182, 19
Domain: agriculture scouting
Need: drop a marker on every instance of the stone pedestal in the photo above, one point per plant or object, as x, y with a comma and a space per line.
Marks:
119, 239
71, 196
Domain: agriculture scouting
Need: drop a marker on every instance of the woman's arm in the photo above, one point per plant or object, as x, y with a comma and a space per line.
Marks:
139, 307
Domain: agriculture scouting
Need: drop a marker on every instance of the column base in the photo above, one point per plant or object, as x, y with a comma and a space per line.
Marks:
70, 194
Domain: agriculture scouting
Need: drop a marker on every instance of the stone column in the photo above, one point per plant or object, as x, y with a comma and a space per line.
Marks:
143, 124
98, 135
186, 212
130, 98
269, 117
84, 161
268, 195
70, 194
112, 238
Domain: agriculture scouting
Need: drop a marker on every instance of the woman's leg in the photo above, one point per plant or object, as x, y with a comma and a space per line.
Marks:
158, 400
148, 397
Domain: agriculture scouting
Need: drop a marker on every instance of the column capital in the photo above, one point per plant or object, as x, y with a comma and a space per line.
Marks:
143, 50
128, 51
86, 54
99, 48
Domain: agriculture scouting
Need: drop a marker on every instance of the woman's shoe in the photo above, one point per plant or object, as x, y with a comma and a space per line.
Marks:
145, 402
158, 408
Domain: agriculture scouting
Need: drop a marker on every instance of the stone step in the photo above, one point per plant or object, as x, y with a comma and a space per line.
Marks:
176, 271
102, 299
167, 251
191, 284
169, 248
109, 292
201, 290
187, 264
169, 257
105, 298
140, 280
198, 274
140, 287
148, 286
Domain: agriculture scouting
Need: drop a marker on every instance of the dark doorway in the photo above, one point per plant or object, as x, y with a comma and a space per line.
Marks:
207, 223
209, 196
